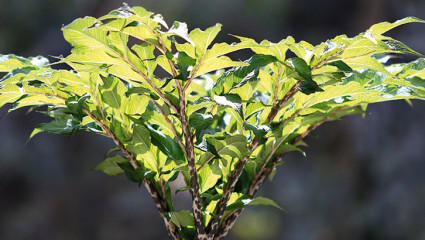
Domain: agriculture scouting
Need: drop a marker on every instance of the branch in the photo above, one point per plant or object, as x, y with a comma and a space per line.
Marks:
221, 206
230, 220
259, 179
320, 63
241, 165
159, 202
196, 198
205, 163
276, 108
190, 154
189, 150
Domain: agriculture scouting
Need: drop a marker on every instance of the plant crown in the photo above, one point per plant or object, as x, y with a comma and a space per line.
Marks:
221, 125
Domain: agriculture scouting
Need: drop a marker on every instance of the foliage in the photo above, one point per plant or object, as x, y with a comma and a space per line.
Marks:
176, 105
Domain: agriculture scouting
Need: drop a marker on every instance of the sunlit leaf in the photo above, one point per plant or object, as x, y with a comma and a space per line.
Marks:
239, 76
383, 27
208, 177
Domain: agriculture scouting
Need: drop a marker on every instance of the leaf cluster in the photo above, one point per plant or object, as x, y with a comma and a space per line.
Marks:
178, 108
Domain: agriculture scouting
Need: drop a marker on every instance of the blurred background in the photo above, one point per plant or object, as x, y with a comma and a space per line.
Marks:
361, 179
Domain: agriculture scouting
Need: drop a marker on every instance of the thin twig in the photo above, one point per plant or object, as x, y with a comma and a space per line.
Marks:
322, 62
186, 86
276, 108
205, 163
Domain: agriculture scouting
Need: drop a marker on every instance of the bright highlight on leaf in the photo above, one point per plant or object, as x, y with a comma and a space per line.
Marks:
180, 110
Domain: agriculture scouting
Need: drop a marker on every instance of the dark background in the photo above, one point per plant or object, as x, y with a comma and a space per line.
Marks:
362, 179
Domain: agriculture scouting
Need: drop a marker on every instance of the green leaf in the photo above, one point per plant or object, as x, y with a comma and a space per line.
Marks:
234, 145
253, 108
145, 53
11, 62
113, 92
380, 28
398, 46
84, 37
230, 100
220, 49
10, 93
185, 65
275, 49
139, 90
216, 64
351, 89
140, 144
308, 85
135, 175
259, 131
361, 46
166, 144
111, 165
183, 218
75, 105
180, 29
245, 200
202, 102
208, 177
185, 188
341, 66
239, 76
137, 104
303, 50
302, 68
200, 121
366, 62
65, 127
34, 132
265, 202
202, 39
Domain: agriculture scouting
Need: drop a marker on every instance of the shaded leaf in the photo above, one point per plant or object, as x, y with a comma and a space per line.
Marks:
265, 202
65, 127
75, 105
185, 65
166, 144
111, 167
341, 66
200, 121
135, 175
